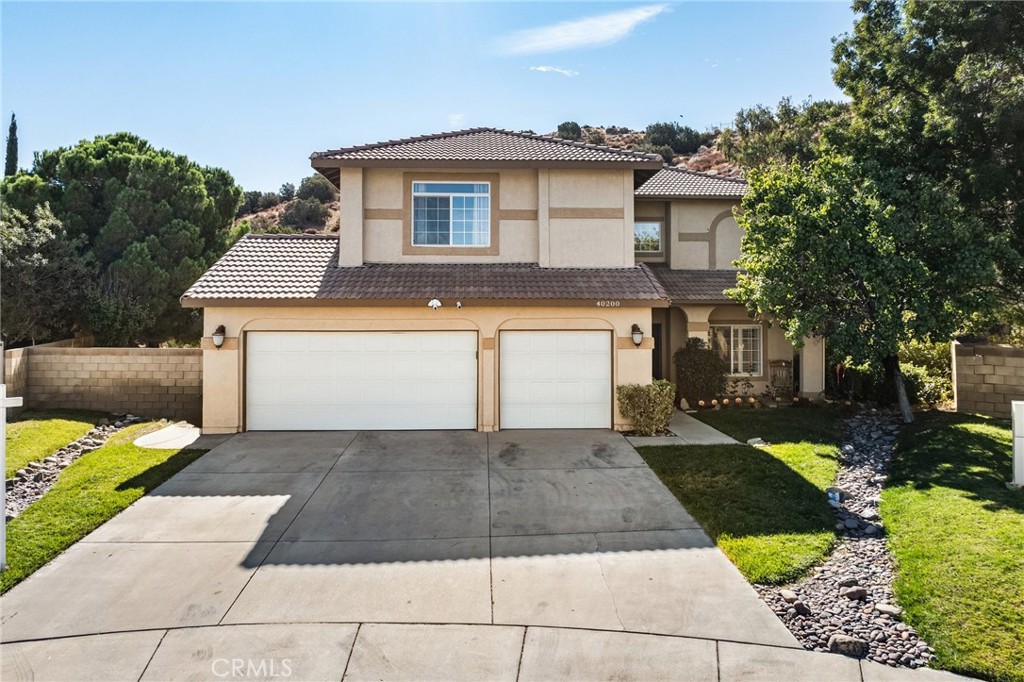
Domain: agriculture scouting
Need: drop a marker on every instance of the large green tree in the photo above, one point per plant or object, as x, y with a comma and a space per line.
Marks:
42, 275
867, 261
789, 132
151, 221
938, 87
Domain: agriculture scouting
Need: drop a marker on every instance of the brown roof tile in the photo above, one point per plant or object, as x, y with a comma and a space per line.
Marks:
303, 267
486, 145
706, 286
677, 183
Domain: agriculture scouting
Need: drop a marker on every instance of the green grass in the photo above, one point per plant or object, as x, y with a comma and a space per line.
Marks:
35, 435
94, 488
957, 534
765, 508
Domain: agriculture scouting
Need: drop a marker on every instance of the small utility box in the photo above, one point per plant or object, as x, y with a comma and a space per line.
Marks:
1017, 411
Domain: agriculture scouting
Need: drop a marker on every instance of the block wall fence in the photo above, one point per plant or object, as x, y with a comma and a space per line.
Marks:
150, 382
986, 378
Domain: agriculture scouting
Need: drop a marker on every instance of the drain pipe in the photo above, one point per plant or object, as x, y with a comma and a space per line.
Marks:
1017, 410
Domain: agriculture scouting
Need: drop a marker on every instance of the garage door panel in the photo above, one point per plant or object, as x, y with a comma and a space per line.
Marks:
361, 380
555, 379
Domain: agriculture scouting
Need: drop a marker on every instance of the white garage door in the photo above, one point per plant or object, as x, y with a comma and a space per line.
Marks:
556, 380
360, 380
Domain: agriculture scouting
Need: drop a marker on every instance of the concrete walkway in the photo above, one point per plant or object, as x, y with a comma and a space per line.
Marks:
685, 430
432, 555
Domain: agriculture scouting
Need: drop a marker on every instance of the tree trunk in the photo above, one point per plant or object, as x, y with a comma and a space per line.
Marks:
892, 367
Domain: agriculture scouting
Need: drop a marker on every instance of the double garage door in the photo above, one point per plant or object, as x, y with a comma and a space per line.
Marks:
423, 380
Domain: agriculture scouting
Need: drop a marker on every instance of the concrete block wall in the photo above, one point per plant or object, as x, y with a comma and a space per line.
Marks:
987, 378
151, 382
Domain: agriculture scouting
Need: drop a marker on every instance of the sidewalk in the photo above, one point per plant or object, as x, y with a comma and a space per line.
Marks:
685, 430
394, 651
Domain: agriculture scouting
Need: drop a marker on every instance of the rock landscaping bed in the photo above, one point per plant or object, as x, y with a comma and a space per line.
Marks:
846, 605
31, 483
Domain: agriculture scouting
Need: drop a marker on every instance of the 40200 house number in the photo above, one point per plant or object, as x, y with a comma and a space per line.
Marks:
609, 304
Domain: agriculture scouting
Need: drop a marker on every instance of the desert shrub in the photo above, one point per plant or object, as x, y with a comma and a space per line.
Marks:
570, 130
596, 136
700, 372
287, 191
269, 200
317, 187
666, 152
648, 407
303, 213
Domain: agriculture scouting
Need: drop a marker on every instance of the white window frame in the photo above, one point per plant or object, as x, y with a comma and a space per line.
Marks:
734, 354
661, 237
451, 211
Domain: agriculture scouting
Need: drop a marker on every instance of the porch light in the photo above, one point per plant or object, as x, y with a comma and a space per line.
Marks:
218, 336
638, 335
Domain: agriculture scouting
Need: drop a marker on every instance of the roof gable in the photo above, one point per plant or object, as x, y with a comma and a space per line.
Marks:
678, 183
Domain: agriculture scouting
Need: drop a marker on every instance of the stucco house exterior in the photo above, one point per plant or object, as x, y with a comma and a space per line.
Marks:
481, 279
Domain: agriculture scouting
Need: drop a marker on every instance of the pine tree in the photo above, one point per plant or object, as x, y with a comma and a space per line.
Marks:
11, 162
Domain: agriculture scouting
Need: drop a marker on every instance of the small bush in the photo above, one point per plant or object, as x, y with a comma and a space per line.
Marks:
570, 130
303, 213
269, 200
934, 357
287, 191
317, 187
923, 386
596, 136
700, 372
648, 407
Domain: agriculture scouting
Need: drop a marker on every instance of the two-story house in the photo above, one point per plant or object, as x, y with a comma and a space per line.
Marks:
480, 279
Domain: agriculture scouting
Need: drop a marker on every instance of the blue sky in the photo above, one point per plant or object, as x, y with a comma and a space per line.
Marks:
255, 87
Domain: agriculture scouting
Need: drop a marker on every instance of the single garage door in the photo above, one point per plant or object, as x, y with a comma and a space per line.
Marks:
556, 379
360, 380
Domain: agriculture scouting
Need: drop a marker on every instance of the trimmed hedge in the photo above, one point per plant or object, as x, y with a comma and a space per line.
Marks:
700, 372
648, 407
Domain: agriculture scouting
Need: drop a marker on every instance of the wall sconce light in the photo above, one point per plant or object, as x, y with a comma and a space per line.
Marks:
218, 336
638, 335
434, 304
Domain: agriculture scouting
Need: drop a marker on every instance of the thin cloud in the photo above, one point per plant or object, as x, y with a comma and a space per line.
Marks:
569, 73
603, 29
456, 120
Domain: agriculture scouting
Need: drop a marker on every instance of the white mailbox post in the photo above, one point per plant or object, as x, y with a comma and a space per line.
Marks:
1017, 410
6, 402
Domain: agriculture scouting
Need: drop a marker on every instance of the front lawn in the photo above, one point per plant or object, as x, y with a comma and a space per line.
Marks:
94, 488
957, 534
766, 508
35, 435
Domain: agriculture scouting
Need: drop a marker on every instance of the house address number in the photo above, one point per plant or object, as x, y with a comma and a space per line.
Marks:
609, 304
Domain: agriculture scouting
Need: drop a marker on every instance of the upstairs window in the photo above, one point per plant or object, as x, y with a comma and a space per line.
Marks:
647, 237
740, 346
451, 214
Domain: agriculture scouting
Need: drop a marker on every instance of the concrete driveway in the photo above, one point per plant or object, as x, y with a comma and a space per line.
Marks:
335, 551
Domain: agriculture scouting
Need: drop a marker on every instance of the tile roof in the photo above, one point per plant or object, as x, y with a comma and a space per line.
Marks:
488, 145
706, 286
678, 183
303, 267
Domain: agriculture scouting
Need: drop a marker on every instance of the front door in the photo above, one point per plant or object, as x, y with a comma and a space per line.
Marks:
656, 363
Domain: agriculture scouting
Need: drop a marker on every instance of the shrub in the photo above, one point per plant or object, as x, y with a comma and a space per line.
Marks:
923, 386
700, 372
287, 191
570, 130
596, 136
317, 187
648, 407
303, 213
933, 357
269, 200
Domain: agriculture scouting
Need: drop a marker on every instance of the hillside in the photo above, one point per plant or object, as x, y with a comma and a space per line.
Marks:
269, 220
707, 159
